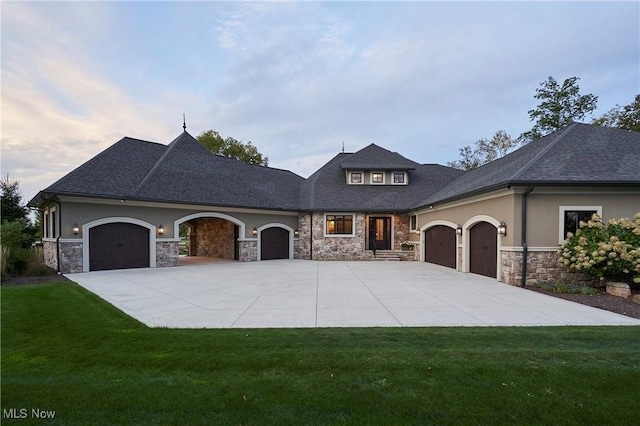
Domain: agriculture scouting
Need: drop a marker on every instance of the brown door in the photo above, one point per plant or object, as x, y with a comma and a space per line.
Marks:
274, 243
118, 246
379, 233
440, 246
483, 249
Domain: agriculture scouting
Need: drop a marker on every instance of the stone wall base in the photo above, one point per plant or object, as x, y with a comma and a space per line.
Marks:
167, 253
50, 254
70, 255
542, 266
248, 251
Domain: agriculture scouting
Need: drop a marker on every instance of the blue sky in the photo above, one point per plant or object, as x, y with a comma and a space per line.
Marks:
296, 79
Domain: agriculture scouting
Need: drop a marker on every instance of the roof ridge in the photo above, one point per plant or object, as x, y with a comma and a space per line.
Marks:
155, 167
546, 149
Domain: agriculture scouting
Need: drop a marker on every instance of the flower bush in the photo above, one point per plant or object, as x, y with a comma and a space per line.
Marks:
608, 251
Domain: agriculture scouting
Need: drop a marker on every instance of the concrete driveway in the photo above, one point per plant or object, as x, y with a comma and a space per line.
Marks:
299, 293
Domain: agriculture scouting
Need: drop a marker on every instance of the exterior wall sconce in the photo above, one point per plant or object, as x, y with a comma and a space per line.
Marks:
160, 229
76, 229
459, 230
502, 229
255, 232
296, 233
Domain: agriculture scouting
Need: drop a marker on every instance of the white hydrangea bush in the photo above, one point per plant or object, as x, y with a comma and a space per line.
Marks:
609, 251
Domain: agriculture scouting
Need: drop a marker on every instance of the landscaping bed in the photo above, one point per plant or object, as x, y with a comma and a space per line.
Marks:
600, 300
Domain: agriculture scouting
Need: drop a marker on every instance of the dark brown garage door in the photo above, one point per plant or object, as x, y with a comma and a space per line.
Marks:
274, 244
118, 246
440, 246
483, 250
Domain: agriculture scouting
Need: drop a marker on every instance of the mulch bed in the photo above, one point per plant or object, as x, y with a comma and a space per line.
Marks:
36, 279
601, 300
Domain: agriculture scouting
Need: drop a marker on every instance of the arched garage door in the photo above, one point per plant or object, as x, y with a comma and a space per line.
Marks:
483, 249
118, 246
274, 243
440, 246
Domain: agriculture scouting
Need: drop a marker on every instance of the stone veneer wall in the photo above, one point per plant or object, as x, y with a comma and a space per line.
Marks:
302, 246
400, 230
214, 237
542, 266
167, 253
248, 250
339, 247
70, 256
50, 255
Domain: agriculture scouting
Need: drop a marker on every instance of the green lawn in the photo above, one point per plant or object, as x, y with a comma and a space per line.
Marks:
65, 350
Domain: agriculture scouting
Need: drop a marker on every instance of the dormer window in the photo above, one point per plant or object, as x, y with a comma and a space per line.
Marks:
356, 178
399, 178
377, 178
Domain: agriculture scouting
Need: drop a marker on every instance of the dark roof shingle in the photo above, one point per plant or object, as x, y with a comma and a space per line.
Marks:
579, 154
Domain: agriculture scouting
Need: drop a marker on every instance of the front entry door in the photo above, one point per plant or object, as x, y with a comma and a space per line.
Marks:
379, 233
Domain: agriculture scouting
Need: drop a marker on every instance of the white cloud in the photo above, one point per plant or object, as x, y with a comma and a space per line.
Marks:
296, 79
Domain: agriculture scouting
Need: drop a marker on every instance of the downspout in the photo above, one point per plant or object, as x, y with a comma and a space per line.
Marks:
59, 235
525, 250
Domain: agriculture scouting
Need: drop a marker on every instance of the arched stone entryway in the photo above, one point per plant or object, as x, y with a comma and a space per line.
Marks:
212, 235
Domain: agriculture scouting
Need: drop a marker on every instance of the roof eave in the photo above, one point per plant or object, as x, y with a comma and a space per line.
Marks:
510, 184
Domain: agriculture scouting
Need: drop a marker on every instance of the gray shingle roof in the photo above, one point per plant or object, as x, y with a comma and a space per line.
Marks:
186, 172
373, 157
579, 154
183, 172
326, 189
114, 173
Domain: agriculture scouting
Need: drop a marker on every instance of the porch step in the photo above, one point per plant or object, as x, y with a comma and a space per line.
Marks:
387, 255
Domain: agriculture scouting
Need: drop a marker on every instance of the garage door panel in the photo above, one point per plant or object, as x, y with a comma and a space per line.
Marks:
118, 246
274, 243
483, 249
440, 246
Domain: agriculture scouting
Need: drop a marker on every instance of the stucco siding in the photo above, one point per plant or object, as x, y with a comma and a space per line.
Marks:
543, 211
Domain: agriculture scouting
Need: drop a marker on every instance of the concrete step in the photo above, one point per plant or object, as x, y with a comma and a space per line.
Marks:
387, 255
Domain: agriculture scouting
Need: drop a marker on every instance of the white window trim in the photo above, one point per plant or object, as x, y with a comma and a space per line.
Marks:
53, 225
355, 183
416, 227
353, 225
384, 178
561, 212
404, 180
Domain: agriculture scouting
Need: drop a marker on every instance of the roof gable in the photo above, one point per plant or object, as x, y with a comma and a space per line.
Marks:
374, 157
327, 189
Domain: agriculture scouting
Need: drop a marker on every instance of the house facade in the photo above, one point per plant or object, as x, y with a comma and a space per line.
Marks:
125, 207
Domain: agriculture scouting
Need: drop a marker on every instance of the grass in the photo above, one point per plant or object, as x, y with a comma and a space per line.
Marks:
65, 350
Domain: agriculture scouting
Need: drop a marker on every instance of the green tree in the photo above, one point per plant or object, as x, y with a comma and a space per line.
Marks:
623, 117
11, 200
484, 151
16, 245
560, 106
230, 147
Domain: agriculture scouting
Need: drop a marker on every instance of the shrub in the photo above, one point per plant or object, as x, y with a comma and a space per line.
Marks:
35, 266
15, 246
608, 251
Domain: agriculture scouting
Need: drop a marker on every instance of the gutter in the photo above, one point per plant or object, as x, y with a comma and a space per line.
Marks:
525, 250
59, 235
